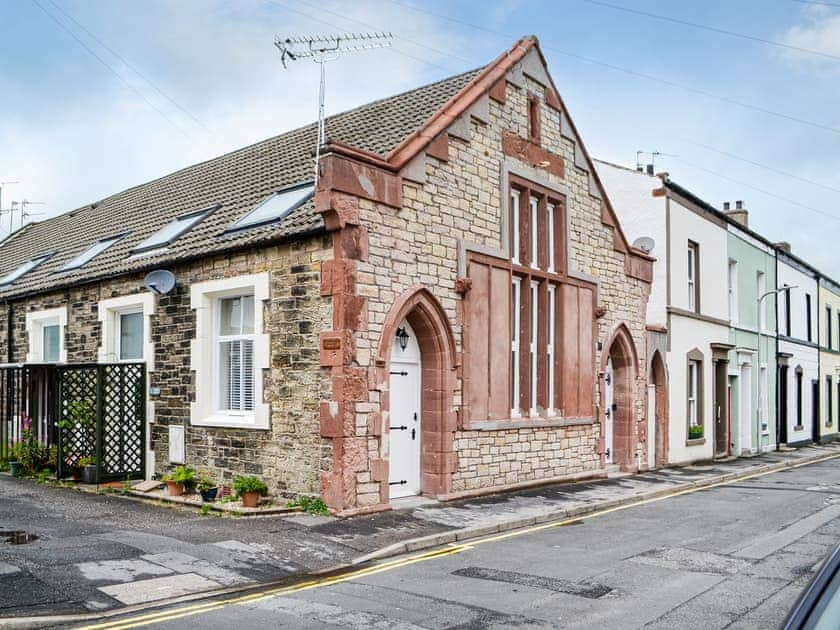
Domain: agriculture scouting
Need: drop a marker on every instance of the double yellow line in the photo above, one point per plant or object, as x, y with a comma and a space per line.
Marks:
188, 611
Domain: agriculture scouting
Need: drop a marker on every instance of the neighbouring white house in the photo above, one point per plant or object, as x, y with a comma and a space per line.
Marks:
798, 353
687, 315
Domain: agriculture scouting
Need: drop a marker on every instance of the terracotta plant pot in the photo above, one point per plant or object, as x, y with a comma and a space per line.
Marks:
174, 489
250, 499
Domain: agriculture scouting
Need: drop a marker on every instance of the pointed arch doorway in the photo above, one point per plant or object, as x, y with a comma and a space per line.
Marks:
404, 431
619, 374
658, 379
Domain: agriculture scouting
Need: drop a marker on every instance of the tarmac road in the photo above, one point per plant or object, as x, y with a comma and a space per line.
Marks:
731, 556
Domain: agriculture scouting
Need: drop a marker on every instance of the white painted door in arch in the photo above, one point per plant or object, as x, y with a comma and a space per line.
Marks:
609, 412
404, 418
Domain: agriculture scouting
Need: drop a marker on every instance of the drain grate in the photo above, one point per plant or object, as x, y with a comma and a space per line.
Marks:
17, 536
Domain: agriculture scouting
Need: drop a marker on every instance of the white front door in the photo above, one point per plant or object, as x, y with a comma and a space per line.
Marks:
609, 412
404, 419
746, 445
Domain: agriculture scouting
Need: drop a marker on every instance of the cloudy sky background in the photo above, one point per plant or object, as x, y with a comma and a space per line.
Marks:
189, 80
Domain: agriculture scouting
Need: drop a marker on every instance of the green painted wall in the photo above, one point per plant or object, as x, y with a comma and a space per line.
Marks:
743, 335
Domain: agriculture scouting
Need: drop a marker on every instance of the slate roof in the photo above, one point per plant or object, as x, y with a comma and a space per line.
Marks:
236, 181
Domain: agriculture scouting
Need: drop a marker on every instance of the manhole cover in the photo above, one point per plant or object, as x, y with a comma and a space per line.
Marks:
17, 537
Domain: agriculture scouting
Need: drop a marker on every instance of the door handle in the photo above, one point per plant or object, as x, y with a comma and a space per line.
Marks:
413, 434
400, 428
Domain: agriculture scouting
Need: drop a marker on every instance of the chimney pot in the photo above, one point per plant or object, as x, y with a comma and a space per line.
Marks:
739, 205
650, 169
725, 205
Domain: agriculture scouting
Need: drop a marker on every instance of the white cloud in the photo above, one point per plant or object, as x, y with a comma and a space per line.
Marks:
821, 33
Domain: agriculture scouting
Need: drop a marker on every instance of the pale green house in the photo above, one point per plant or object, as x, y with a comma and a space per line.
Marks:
752, 361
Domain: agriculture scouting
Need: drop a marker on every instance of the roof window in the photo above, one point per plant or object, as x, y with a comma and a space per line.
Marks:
173, 230
91, 252
23, 269
276, 207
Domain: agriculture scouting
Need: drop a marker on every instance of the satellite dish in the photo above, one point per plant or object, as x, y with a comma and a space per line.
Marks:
645, 243
159, 281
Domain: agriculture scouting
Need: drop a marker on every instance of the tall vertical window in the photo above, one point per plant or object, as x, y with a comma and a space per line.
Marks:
693, 284
760, 288
533, 205
828, 419
786, 295
535, 327
693, 383
129, 336
829, 410
732, 280
783, 313
800, 394
808, 315
549, 225
762, 396
515, 365
52, 342
236, 353
828, 343
550, 352
514, 226
534, 117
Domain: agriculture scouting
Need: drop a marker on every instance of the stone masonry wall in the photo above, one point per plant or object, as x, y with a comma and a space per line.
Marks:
289, 456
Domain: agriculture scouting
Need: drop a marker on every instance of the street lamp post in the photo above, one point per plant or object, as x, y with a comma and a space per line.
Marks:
758, 327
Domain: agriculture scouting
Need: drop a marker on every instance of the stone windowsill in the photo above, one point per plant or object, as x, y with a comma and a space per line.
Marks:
526, 423
695, 441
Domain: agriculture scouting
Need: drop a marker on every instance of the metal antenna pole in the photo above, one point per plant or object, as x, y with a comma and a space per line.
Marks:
321, 49
1, 205
24, 214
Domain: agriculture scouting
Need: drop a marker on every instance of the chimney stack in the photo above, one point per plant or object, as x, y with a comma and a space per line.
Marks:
740, 214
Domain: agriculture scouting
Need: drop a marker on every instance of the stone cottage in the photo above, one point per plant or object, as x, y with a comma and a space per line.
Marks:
452, 309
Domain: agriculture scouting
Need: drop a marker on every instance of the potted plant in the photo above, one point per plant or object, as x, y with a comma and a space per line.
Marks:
250, 489
88, 466
695, 432
179, 480
14, 467
208, 489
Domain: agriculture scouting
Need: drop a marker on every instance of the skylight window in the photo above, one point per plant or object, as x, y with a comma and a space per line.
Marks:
23, 269
173, 230
277, 207
90, 253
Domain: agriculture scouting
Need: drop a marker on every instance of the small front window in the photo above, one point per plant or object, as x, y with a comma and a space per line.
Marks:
52, 342
693, 370
236, 353
129, 336
693, 297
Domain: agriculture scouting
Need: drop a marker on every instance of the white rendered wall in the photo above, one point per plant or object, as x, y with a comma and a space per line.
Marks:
640, 214
791, 276
809, 360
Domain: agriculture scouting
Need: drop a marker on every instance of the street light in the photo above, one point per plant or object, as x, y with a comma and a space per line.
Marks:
758, 361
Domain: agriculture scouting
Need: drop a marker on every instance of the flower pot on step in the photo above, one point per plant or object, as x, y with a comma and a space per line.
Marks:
209, 495
250, 499
89, 474
174, 489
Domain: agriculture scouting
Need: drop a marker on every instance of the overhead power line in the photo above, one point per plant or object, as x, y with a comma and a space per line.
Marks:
642, 75
713, 29
133, 68
822, 3
111, 69
760, 190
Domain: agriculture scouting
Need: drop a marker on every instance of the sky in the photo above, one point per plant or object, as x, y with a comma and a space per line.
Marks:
97, 96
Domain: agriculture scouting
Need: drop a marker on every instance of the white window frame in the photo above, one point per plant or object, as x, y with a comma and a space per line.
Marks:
109, 312
118, 335
763, 384
693, 374
204, 300
219, 339
534, 334
692, 276
550, 229
515, 363
35, 323
782, 324
733, 291
514, 219
550, 411
533, 206
761, 288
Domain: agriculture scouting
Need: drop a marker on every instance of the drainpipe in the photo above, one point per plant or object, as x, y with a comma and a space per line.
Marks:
10, 320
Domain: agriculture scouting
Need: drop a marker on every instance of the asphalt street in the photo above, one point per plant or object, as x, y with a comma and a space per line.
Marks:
731, 556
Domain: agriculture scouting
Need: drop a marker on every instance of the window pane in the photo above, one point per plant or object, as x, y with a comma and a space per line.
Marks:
230, 322
276, 207
248, 315
131, 336
237, 375
52, 343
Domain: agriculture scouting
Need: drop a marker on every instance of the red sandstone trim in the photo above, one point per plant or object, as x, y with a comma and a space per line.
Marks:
523, 485
528, 151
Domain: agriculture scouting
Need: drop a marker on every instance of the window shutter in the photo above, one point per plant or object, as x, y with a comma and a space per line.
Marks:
234, 367
247, 375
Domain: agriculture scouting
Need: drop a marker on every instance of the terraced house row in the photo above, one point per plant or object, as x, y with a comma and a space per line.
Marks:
456, 306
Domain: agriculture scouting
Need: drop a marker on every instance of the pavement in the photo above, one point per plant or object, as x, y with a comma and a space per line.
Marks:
96, 555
